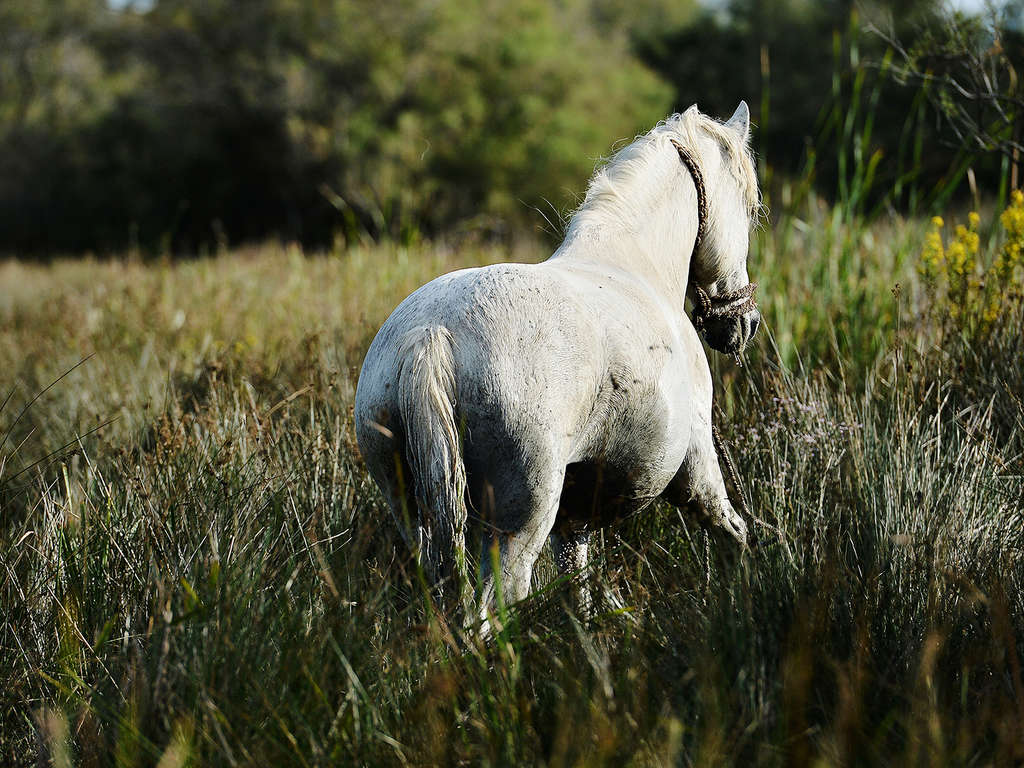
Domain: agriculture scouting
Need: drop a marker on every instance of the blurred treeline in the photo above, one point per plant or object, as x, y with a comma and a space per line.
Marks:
190, 124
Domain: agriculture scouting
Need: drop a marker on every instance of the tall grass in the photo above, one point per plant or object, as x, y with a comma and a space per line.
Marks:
212, 579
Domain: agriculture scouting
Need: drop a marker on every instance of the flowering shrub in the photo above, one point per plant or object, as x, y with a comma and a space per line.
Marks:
1006, 270
956, 285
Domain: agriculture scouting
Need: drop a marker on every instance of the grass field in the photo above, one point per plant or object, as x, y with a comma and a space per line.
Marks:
196, 570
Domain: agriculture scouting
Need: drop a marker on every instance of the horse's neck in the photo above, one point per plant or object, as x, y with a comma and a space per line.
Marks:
657, 248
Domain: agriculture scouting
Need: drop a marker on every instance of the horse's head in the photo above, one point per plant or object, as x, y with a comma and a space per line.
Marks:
718, 282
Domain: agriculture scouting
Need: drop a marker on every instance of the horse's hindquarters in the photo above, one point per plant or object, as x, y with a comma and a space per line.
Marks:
505, 356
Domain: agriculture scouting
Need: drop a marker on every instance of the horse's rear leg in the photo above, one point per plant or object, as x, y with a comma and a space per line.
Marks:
523, 514
571, 549
699, 487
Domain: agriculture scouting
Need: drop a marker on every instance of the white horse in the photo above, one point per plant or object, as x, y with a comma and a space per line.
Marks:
547, 400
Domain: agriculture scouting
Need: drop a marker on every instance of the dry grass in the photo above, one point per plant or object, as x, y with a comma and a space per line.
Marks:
212, 579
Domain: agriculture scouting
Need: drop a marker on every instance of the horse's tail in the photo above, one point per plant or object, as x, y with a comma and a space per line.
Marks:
426, 391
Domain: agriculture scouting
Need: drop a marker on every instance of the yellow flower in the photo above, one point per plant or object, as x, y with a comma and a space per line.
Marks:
1012, 218
961, 291
931, 258
1004, 273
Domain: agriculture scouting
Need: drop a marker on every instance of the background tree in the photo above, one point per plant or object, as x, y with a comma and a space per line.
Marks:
814, 77
196, 123
970, 67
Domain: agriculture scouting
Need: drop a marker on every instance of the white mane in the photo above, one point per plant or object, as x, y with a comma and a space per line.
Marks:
641, 172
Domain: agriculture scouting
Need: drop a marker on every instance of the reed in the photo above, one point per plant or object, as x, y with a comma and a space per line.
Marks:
211, 578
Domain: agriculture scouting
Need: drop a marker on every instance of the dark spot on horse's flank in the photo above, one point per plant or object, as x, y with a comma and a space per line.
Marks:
387, 385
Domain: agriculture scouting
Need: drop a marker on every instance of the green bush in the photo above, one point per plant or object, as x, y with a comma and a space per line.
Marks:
198, 122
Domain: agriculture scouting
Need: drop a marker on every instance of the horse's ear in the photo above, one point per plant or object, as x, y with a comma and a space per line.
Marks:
740, 120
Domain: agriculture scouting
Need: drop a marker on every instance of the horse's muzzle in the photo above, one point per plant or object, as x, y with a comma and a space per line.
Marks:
731, 334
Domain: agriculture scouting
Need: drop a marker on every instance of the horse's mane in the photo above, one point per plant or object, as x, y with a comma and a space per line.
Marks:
625, 183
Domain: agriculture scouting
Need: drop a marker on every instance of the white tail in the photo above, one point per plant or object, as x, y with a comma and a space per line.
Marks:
426, 393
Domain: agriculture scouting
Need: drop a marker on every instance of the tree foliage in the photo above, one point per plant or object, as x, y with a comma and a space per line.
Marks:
970, 67
817, 82
200, 120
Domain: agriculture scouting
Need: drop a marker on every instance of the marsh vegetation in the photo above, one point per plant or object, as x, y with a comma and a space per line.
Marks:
195, 568
198, 569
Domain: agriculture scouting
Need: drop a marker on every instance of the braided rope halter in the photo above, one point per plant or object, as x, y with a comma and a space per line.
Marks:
729, 304
724, 305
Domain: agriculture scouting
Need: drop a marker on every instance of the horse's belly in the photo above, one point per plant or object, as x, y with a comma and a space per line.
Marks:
596, 493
